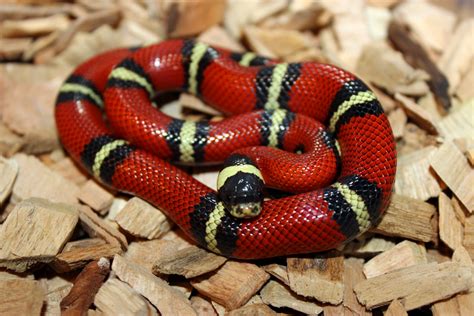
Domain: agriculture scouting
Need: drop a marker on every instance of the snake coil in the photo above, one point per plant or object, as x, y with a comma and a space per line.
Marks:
341, 172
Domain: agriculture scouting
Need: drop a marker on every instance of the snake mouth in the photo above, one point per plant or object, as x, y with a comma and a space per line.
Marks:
245, 210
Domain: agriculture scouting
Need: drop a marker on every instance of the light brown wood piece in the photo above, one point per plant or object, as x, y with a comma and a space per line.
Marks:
85, 287
194, 103
415, 286
69, 170
220, 310
468, 240
185, 18
403, 255
202, 306
277, 43
417, 114
278, 295
157, 291
95, 196
255, 309
397, 119
36, 180
217, 36
78, 257
21, 11
368, 247
97, 227
56, 289
278, 271
458, 124
21, 297
13, 48
458, 53
39, 44
451, 229
118, 298
10, 143
465, 303
414, 178
83, 243
146, 253
34, 26
85, 23
189, 262
395, 309
353, 274
449, 306
408, 218
452, 167
141, 219
8, 173
24, 238
386, 68
335, 310
320, 277
422, 18
464, 91
233, 284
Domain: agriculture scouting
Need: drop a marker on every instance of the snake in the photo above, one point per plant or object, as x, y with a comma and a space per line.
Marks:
313, 133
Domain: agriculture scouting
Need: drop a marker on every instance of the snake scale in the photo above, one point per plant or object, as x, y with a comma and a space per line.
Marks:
311, 129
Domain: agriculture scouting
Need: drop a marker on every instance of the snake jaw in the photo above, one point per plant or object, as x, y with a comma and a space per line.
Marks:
245, 210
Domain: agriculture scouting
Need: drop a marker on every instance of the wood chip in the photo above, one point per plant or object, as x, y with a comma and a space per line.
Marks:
414, 178
451, 229
404, 254
395, 309
416, 55
468, 240
23, 236
56, 289
97, 227
415, 286
422, 17
278, 271
202, 306
8, 173
36, 180
417, 114
277, 43
190, 18
452, 167
278, 295
320, 277
458, 54
80, 256
217, 36
34, 26
10, 143
95, 196
157, 291
83, 243
368, 247
141, 219
254, 309
189, 262
21, 297
118, 298
408, 218
13, 48
397, 119
352, 275
69, 170
85, 287
458, 124
387, 69
232, 285
446, 307
146, 253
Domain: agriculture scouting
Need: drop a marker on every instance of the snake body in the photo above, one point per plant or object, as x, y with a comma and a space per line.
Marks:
351, 163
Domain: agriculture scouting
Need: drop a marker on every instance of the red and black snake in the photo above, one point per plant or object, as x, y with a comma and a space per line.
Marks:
351, 162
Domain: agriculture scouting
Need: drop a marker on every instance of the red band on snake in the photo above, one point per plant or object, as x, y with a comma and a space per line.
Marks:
345, 185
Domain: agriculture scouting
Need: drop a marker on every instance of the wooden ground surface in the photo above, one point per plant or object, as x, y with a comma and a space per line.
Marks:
70, 246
